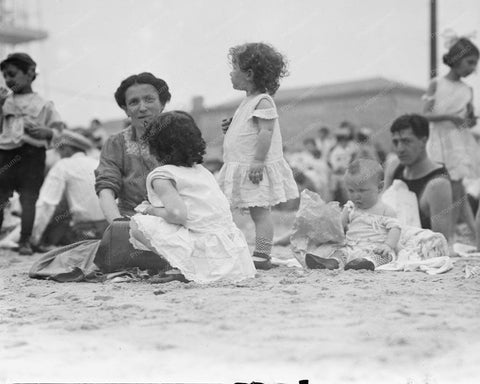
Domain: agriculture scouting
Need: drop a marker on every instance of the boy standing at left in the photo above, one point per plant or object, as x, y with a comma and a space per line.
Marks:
26, 129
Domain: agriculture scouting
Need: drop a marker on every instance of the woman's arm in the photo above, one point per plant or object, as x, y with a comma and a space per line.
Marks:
109, 205
108, 177
175, 210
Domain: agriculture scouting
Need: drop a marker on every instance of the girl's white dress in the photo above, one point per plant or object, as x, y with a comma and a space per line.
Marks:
210, 247
278, 184
453, 146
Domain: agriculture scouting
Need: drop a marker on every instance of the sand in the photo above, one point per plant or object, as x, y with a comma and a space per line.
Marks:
283, 326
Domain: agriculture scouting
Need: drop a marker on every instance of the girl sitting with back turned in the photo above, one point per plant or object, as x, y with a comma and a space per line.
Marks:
187, 219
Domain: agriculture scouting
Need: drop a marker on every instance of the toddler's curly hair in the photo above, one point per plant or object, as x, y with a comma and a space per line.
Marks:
268, 65
174, 138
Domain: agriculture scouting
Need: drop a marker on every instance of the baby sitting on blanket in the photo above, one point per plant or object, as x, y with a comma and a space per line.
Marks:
371, 229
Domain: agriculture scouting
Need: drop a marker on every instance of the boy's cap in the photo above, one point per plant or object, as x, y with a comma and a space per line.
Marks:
18, 57
73, 139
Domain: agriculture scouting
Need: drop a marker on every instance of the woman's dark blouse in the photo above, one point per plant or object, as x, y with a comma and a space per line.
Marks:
124, 166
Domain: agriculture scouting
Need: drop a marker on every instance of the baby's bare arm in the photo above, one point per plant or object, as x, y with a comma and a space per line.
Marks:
393, 237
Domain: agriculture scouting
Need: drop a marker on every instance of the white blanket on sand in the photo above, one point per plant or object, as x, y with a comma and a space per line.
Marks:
420, 250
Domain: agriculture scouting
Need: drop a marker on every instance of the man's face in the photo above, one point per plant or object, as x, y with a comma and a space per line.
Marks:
408, 147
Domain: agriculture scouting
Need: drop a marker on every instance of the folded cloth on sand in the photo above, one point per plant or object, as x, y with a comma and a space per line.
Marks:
72, 262
421, 250
433, 266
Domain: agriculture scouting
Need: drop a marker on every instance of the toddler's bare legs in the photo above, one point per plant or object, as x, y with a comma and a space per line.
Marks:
262, 219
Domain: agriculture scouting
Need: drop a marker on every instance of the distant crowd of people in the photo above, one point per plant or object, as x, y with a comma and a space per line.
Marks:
322, 162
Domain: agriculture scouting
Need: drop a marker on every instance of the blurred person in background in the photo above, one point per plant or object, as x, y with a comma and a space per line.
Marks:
341, 155
68, 209
365, 146
98, 133
325, 141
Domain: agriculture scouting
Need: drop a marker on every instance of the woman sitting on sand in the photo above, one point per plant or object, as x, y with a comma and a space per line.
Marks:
125, 162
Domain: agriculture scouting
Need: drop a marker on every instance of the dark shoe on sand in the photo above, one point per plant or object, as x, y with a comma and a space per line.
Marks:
25, 248
360, 264
317, 262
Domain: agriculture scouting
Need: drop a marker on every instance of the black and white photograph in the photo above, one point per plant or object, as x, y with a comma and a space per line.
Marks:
249, 191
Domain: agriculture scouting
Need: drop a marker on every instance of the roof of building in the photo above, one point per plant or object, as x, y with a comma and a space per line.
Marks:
376, 85
10, 34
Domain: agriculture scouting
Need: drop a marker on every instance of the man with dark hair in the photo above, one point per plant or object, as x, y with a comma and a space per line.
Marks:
428, 180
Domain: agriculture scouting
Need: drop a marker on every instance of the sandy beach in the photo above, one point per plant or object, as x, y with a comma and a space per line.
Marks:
285, 325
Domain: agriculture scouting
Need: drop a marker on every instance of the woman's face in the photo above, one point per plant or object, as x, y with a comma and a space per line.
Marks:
142, 104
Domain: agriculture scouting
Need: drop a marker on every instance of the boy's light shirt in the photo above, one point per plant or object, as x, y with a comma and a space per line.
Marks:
20, 108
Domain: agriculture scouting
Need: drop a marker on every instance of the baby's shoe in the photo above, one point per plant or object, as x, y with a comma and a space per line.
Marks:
360, 263
317, 262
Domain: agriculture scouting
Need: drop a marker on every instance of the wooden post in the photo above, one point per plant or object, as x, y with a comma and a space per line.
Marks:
433, 38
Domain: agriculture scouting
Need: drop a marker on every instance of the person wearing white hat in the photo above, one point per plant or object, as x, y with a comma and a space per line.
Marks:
72, 180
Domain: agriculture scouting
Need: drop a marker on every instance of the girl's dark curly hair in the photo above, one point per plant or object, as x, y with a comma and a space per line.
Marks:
461, 49
174, 138
142, 78
267, 64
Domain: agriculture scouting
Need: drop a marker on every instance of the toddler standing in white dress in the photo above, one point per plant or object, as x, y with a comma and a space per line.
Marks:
255, 175
187, 219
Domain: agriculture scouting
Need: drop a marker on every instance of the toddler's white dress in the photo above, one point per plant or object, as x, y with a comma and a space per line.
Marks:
278, 184
210, 247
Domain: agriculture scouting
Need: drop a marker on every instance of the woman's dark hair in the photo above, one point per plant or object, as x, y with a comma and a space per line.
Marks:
417, 123
142, 78
461, 49
174, 138
267, 64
